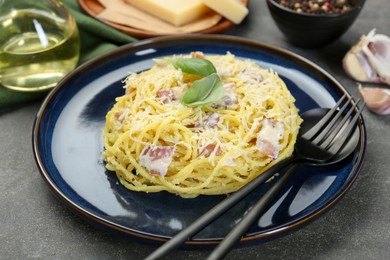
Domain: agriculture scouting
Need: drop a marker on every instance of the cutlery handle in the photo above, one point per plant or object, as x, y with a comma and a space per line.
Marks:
254, 214
216, 211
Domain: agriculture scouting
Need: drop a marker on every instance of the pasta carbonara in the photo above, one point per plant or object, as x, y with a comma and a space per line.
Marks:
153, 142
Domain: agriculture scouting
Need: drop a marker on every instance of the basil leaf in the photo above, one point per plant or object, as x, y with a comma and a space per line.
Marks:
204, 91
197, 66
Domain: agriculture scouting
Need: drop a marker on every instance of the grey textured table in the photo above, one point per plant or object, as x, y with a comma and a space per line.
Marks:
35, 225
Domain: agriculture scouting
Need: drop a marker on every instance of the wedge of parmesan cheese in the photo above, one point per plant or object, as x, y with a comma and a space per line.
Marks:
176, 12
233, 10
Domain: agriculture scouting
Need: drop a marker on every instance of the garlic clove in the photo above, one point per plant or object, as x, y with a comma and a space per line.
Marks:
377, 99
357, 68
369, 59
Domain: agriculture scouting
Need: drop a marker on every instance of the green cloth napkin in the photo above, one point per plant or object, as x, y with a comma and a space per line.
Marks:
95, 38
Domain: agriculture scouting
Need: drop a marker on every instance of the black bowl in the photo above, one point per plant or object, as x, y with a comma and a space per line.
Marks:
313, 30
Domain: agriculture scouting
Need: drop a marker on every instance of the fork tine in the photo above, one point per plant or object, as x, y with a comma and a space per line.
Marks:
328, 135
315, 129
340, 139
334, 125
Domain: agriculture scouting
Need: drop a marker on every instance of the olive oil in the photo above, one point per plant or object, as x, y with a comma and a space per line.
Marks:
37, 49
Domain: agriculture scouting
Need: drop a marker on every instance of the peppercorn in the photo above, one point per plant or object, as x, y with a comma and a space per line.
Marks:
317, 6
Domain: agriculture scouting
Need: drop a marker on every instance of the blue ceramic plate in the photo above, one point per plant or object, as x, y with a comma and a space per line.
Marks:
67, 142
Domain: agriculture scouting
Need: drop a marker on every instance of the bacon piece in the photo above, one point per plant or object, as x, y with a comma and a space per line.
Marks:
209, 149
229, 98
119, 116
251, 74
209, 122
198, 54
156, 159
166, 95
268, 138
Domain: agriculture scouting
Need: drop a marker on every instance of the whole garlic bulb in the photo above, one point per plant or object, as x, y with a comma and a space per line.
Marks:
369, 59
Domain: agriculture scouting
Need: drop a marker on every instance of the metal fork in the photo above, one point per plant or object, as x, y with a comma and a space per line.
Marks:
317, 146
328, 135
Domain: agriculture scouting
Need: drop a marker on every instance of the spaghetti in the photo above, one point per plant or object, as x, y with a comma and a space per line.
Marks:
155, 143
